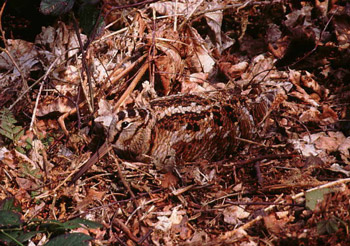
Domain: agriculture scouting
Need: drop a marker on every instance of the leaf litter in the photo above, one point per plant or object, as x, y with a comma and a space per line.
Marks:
292, 187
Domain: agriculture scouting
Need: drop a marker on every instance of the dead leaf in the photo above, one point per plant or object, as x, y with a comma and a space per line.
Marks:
344, 149
49, 105
330, 143
92, 196
25, 184
309, 82
234, 214
273, 224
169, 179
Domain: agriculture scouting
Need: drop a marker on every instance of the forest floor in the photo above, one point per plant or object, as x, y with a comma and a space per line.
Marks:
289, 186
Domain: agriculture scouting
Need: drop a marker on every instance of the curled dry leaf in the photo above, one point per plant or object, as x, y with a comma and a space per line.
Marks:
200, 58
165, 223
7, 158
37, 153
60, 40
171, 8
214, 21
327, 117
259, 70
331, 142
305, 146
273, 224
105, 112
194, 83
344, 149
92, 196
25, 54
49, 105
233, 71
308, 81
25, 184
234, 214
169, 66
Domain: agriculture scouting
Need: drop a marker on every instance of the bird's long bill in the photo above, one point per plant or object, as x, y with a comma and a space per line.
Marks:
97, 155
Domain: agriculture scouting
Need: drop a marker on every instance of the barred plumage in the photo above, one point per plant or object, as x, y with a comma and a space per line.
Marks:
188, 127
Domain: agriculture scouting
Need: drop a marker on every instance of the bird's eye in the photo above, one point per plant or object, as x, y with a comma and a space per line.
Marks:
125, 124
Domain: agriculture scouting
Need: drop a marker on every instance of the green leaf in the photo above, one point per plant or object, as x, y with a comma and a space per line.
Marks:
9, 204
9, 218
329, 226
20, 150
76, 223
315, 196
6, 133
72, 239
16, 236
16, 129
56, 7
19, 134
53, 226
88, 16
7, 127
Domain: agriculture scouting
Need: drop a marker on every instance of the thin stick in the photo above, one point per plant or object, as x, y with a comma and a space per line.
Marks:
126, 71
132, 85
96, 156
117, 222
40, 90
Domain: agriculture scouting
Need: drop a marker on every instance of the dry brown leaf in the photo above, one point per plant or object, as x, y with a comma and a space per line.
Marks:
172, 8
61, 104
331, 142
233, 71
92, 196
308, 81
25, 184
344, 149
194, 83
273, 224
169, 179
234, 214
199, 58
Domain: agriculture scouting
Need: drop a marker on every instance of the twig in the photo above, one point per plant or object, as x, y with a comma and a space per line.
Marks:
270, 157
36, 105
258, 173
330, 184
145, 236
121, 176
190, 14
175, 16
117, 222
251, 142
85, 67
40, 90
125, 71
96, 156
132, 85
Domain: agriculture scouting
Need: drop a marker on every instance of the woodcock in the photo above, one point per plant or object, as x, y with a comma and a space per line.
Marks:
188, 127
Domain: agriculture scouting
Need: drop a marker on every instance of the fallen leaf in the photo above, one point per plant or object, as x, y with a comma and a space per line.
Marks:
234, 214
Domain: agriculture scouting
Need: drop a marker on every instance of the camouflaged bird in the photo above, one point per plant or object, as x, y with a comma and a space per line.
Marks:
181, 128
